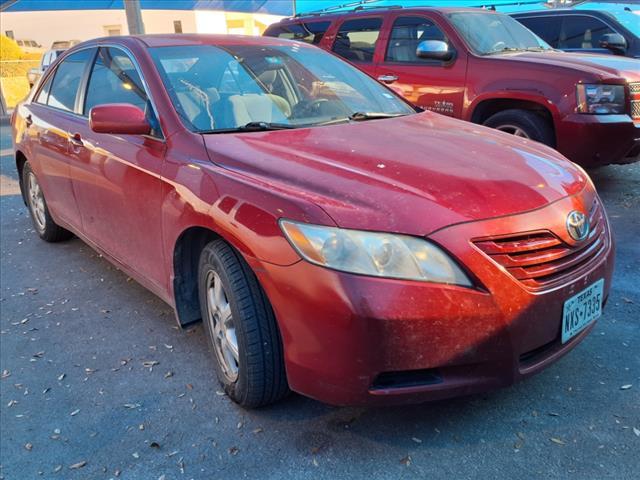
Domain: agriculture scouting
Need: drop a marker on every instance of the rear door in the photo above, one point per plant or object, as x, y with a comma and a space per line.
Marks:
430, 84
52, 112
116, 178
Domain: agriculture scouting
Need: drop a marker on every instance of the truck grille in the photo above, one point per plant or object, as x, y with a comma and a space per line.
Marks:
540, 260
634, 89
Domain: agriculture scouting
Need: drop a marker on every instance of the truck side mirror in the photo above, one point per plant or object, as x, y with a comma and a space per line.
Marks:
434, 50
614, 42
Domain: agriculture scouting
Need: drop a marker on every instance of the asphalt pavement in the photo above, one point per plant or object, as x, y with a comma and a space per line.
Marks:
98, 382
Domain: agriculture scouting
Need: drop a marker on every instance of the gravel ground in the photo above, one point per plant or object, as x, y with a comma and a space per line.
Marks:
98, 382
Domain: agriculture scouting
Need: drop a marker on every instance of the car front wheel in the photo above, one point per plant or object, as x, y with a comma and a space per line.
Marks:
46, 228
523, 123
241, 328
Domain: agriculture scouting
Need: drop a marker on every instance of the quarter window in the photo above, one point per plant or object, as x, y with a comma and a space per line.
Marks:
356, 39
406, 35
311, 32
66, 81
114, 79
43, 94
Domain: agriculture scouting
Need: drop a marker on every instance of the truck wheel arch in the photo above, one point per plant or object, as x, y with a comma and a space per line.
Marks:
485, 108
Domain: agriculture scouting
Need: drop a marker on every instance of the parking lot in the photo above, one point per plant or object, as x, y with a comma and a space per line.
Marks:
98, 382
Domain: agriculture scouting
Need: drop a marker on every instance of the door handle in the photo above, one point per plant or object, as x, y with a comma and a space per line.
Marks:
387, 78
76, 140
28, 120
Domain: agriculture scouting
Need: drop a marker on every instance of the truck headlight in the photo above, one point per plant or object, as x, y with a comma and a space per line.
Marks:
375, 254
601, 99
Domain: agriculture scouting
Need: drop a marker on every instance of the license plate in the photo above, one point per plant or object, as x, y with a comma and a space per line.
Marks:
582, 309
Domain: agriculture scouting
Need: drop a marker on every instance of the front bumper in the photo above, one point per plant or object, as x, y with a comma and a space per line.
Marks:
356, 340
597, 140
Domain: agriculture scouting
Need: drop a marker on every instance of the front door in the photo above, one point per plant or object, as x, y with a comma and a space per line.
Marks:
430, 84
116, 178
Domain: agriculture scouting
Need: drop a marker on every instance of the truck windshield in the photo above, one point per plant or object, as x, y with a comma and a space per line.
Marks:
242, 88
488, 33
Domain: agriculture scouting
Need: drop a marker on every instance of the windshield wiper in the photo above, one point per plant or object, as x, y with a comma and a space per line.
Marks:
505, 49
362, 116
253, 127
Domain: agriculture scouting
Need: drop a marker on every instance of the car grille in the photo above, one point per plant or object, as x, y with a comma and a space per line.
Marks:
540, 260
634, 88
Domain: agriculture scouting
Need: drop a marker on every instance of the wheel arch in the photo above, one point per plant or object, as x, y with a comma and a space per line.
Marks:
21, 159
186, 258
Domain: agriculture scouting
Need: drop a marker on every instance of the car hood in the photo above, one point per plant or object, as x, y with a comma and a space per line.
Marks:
603, 66
412, 174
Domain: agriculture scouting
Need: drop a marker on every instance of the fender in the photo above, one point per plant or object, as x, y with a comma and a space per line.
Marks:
519, 95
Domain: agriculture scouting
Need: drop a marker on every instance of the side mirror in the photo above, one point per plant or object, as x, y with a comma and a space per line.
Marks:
435, 50
119, 118
614, 42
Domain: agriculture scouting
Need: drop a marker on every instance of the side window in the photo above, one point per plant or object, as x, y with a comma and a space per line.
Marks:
356, 39
311, 32
114, 79
547, 28
66, 80
581, 31
406, 35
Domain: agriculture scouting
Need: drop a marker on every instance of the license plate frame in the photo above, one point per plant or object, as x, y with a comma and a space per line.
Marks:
581, 310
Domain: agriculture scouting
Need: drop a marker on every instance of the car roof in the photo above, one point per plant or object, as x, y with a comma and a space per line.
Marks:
180, 39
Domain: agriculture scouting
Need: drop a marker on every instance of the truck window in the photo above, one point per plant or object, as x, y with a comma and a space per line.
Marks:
406, 35
356, 39
311, 32
582, 31
547, 27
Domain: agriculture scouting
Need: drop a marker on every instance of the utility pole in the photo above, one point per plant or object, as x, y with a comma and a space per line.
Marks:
134, 17
294, 7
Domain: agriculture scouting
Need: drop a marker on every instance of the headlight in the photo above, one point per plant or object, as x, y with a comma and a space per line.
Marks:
601, 99
376, 254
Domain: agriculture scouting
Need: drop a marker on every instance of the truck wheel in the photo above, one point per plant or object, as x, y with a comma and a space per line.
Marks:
523, 123
241, 327
47, 229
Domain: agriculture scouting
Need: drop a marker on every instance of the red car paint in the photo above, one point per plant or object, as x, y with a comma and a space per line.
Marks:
144, 203
472, 86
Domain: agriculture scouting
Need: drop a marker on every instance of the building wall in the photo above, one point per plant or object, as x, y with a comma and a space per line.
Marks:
45, 27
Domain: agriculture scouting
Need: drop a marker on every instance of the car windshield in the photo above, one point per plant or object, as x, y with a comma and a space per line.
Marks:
218, 89
489, 33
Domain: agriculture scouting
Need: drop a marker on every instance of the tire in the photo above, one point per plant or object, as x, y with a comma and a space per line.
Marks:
255, 376
47, 229
523, 123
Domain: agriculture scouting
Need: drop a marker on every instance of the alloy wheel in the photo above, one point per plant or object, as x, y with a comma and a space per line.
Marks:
36, 202
513, 130
222, 327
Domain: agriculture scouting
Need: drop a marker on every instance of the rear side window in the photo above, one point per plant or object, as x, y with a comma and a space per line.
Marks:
114, 79
356, 39
406, 35
581, 31
311, 32
66, 81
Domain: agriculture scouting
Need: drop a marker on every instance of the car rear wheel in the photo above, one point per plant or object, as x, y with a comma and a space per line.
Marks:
46, 228
523, 123
241, 328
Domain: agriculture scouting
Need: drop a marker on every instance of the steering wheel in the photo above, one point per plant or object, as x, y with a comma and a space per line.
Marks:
499, 45
309, 107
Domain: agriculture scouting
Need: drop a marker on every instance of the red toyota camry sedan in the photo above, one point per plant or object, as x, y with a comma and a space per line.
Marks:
334, 240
